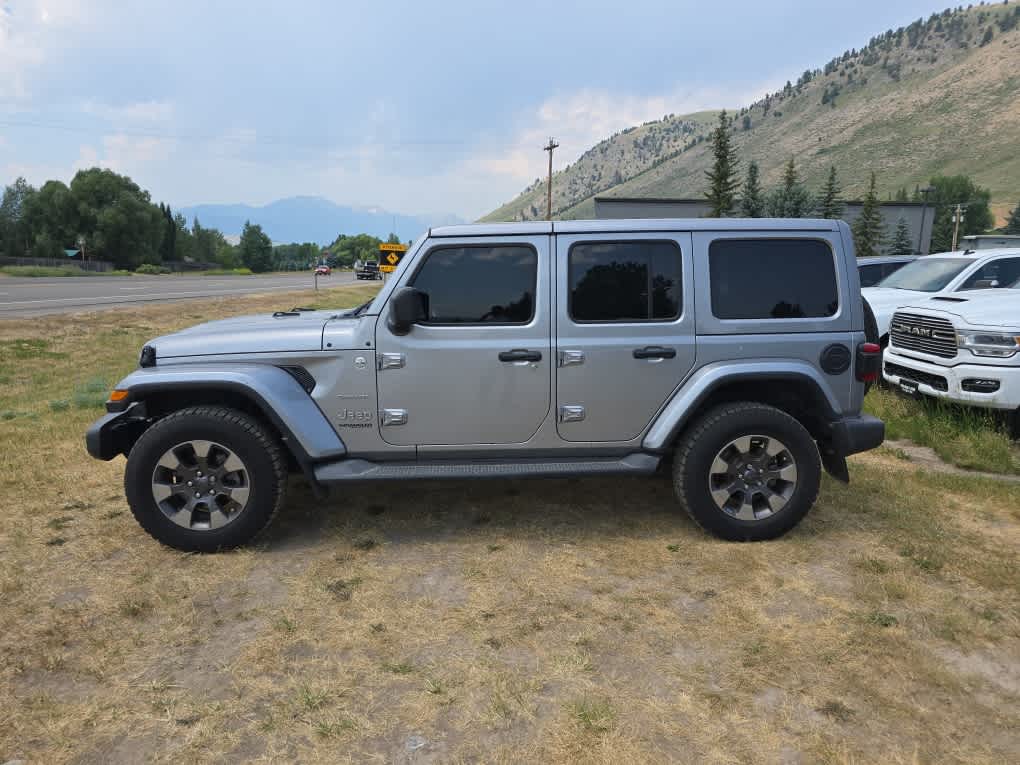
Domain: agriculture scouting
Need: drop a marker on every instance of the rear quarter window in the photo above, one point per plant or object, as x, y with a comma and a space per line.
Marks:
772, 279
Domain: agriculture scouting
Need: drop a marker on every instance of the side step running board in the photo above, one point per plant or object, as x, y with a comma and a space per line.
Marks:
363, 470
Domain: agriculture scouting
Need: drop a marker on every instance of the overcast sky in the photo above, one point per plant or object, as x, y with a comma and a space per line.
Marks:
416, 107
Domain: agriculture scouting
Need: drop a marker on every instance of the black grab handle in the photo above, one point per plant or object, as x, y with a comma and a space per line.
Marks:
520, 354
655, 352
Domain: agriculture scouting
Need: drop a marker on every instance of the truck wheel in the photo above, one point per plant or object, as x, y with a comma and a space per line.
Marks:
205, 478
747, 472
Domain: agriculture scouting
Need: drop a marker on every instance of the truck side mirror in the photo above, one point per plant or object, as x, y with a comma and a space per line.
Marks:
408, 306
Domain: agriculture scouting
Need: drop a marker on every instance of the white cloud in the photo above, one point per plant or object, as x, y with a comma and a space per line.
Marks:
125, 154
29, 30
580, 120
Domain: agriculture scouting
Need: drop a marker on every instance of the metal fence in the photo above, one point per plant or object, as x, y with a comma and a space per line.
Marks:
90, 265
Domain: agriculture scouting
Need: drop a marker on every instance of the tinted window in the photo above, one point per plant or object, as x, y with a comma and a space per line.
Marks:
998, 273
870, 275
624, 281
479, 285
772, 279
926, 274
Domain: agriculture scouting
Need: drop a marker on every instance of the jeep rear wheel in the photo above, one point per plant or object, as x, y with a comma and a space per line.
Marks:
747, 471
205, 478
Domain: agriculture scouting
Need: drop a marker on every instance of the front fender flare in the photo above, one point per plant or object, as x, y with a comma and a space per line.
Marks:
687, 401
280, 398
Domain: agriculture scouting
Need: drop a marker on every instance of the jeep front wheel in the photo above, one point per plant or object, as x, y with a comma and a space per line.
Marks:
205, 478
747, 471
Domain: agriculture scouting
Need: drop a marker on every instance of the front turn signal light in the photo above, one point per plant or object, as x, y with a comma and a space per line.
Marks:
118, 395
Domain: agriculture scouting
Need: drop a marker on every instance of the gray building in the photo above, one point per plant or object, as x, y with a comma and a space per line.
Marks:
918, 215
988, 241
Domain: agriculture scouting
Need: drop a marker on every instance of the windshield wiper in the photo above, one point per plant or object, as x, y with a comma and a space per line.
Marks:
361, 309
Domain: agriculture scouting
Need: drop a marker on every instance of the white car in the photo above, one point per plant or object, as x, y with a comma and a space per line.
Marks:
963, 348
950, 273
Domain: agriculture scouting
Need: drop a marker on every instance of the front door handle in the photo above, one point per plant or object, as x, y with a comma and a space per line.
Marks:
520, 354
655, 352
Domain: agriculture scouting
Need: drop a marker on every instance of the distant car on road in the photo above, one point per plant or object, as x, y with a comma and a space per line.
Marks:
874, 270
323, 270
945, 274
368, 269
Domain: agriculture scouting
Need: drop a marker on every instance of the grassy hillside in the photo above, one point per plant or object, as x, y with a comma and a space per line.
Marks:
936, 96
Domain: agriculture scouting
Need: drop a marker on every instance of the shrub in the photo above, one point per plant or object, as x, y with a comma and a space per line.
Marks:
148, 269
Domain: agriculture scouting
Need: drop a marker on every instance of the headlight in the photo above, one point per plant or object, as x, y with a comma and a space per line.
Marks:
998, 344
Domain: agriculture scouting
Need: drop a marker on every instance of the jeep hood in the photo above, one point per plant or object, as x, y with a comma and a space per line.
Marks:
268, 333
980, 308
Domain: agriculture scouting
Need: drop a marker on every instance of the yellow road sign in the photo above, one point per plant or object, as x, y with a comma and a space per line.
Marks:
387, 269
392, 247
393, 258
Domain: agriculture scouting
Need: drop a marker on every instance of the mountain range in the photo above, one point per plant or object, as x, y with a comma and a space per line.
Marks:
940, 95
312, 219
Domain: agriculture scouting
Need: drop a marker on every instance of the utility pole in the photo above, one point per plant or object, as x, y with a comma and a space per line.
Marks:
549, 148
957, 220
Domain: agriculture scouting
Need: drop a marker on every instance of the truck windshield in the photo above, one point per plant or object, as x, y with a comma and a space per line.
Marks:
926, 275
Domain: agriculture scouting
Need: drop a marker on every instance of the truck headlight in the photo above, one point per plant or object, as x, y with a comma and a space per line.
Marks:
998, 344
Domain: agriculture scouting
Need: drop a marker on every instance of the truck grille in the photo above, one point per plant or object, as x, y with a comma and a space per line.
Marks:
932, 381
925, 334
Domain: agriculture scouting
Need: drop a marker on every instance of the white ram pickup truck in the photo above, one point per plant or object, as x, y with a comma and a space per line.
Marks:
963, 348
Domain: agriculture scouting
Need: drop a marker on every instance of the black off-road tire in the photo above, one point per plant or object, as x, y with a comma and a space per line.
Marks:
704, 440
259, 450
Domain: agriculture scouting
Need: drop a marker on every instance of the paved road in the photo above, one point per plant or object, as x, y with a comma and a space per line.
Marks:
21, 297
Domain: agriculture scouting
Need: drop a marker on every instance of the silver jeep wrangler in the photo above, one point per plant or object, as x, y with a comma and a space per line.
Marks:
735, 353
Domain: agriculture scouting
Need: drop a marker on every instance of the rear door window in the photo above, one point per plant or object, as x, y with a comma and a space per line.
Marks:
772, 279
624, 281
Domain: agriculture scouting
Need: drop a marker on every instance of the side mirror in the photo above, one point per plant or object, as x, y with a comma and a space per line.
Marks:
408, 306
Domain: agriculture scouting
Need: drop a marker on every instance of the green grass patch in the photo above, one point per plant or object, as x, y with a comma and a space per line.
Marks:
226, 272
90, 395
595, 716
49, 271
967, 437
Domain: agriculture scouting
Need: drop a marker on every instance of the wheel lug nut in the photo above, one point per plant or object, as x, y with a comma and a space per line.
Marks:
191, 483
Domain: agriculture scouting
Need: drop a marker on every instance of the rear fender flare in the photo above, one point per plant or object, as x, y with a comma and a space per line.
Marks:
692, 396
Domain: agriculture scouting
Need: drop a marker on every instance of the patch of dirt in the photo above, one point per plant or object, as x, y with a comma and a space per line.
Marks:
925, 457
998, 666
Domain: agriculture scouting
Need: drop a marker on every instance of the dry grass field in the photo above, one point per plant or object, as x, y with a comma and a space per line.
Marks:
555, 621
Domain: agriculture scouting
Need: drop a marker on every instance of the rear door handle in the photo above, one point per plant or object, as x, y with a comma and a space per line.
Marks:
520, 354
655, 352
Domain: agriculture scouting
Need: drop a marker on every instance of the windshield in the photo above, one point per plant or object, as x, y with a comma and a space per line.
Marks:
926, 275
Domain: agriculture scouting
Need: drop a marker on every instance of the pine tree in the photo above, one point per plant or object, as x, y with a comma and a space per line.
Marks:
1013, 221
902, 243
752, 203
792, 199
722, 178
828, 204
867, 229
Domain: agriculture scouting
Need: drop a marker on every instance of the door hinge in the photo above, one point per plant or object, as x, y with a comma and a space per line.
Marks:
571, 413
390, 361
393, 416
570, 358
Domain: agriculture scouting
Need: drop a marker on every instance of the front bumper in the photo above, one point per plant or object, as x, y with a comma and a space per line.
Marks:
946, 382
115, 433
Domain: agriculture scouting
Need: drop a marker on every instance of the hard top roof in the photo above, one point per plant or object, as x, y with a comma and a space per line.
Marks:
636, 225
